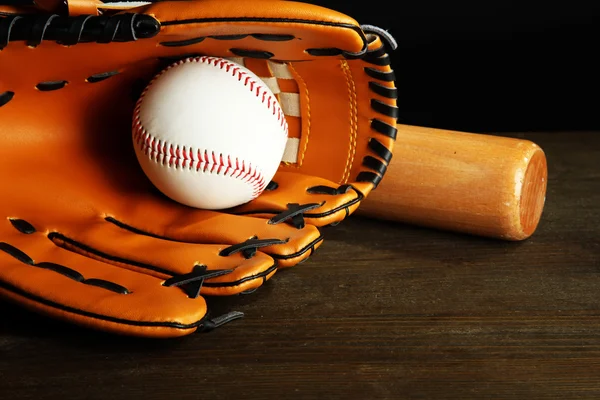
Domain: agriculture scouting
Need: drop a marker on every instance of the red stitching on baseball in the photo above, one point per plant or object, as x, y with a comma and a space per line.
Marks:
200, 160
261, 93
203, 160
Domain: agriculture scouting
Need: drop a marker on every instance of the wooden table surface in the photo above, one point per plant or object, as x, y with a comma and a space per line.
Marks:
380, 311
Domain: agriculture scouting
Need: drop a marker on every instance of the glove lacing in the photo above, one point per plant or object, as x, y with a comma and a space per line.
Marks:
72, 30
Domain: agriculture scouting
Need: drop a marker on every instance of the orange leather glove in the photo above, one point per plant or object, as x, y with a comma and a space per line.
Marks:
86, 238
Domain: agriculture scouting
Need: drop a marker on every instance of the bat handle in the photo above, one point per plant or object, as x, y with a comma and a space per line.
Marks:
471, 183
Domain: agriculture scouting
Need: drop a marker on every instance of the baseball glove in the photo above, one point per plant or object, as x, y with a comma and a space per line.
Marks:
87, 239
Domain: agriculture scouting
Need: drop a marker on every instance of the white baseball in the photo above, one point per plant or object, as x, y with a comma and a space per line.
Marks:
209, 133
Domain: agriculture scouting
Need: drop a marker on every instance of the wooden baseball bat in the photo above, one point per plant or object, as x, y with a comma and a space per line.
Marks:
471, 183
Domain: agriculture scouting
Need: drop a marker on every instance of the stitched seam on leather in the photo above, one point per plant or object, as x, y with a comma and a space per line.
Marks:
302, 82
226, 285
136, 266
63, 270
180, 156
353, 119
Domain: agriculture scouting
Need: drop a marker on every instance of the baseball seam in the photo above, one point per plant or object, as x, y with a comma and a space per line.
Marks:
180, 156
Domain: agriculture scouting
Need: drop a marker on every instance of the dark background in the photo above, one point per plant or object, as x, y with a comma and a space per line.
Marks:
491, 65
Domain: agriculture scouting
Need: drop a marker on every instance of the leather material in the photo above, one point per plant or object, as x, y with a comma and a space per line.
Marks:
86, 238
335, 132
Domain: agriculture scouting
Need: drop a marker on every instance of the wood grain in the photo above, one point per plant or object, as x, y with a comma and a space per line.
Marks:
382, 311
481, 184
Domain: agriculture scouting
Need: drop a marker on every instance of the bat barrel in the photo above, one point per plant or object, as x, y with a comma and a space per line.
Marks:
471, 183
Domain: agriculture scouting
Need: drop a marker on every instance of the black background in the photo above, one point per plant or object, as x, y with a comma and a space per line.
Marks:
491, 65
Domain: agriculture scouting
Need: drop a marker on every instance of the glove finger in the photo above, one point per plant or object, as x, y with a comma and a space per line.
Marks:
286, 244
299, 199
244, 270
75, 288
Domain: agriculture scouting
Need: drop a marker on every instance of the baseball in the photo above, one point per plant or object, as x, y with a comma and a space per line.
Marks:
208, 133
